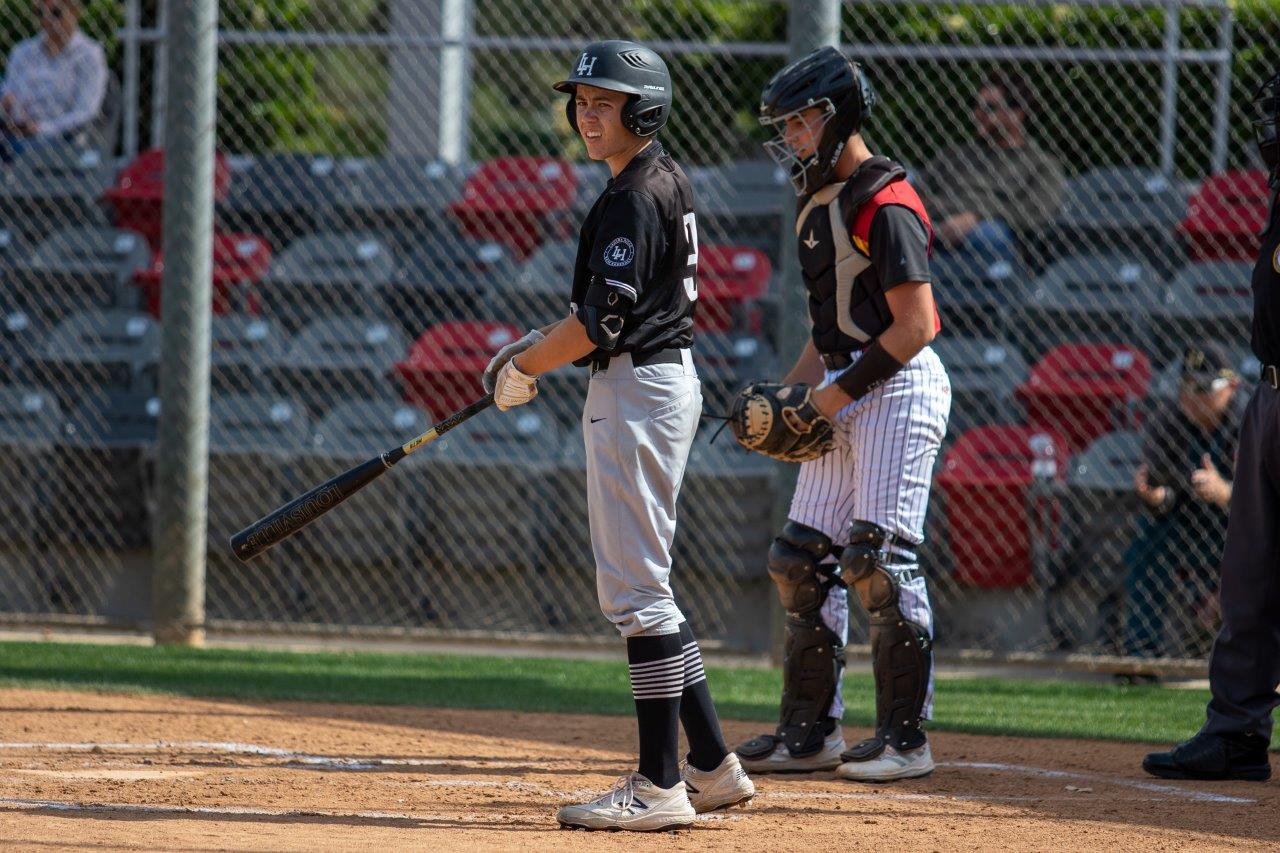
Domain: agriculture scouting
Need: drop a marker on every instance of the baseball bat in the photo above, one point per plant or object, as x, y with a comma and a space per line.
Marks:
282, 523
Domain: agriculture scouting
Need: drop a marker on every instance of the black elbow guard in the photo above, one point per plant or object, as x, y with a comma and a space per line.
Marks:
603, 312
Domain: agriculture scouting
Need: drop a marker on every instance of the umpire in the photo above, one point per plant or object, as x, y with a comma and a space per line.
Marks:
1244, 668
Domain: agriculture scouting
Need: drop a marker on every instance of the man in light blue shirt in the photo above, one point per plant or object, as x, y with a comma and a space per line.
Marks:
55, 82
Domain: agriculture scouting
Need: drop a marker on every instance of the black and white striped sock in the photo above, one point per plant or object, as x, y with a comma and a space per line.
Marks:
697, 711
657, 670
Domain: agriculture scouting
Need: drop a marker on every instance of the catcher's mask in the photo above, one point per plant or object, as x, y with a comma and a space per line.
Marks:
826, 79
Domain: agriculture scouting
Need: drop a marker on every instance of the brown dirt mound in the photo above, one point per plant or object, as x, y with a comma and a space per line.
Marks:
128, 772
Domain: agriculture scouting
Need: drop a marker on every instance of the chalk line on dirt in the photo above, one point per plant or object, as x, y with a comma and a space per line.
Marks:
373, 763
1155, 787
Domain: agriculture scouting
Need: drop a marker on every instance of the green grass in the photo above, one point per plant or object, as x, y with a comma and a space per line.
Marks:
984, 705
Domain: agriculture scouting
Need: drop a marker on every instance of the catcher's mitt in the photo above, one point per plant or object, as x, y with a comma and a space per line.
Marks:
781, 421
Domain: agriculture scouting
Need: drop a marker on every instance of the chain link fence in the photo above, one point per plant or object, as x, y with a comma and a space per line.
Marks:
398, 195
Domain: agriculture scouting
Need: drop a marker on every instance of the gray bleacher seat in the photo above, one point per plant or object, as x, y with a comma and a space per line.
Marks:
280, 197
95, 352
1088, 298
53, 186
482, 487
538, 293
242, 348
977, 299
445, 276
21, 337
252, 440
104, 472
726, 363
1096, 521
337, 359
78, 268
592, 177
377, 528
395, 193
1206, 301
1121, 208
30, 426
984, 373
725, 527
325, 275
741, 202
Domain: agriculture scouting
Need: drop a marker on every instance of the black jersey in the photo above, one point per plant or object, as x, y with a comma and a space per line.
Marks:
640, 241
1266, 291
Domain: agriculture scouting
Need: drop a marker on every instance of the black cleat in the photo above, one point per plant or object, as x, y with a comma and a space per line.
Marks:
1214, 758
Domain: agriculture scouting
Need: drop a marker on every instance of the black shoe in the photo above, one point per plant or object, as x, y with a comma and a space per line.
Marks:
1213, 757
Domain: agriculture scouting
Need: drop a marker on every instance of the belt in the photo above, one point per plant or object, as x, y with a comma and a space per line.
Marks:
839, 360
662, 356
1271, 376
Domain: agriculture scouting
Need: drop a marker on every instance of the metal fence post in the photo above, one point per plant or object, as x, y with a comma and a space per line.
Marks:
1222, 95
811, 24
1169, 82
183, 447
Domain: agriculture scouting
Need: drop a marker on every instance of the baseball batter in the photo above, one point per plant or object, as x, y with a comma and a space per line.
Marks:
631, 323
864, 408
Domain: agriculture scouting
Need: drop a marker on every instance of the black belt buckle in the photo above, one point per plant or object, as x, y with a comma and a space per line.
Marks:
599, 364
1271, 376
837, 360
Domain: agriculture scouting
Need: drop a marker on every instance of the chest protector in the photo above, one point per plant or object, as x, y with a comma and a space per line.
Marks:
846, 300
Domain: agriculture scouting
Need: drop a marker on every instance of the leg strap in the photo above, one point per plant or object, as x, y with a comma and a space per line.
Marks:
813, 654
900, 648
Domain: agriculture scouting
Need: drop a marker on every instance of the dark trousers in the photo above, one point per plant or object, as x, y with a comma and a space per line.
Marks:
1244, 668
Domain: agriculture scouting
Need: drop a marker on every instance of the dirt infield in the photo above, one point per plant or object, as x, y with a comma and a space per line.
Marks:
110, 771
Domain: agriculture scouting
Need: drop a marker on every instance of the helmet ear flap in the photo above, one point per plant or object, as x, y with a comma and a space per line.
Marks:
571, 112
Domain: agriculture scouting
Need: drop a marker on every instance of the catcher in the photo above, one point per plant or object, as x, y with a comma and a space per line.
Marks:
863, 411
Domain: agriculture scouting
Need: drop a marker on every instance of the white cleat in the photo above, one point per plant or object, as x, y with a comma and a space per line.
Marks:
634, 804
780, 760
727, 785
889, 765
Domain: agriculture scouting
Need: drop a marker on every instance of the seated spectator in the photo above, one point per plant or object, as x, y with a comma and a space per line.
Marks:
988, 197
54, 83
1188, 457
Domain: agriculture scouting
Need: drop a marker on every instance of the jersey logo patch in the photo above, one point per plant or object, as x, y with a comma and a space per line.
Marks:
620, 252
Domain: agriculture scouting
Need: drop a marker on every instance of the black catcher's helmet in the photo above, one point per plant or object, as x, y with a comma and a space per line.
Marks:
624, 66
825, 78
1266, 125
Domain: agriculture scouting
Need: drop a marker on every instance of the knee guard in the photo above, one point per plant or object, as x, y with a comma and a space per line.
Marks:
900, 648
813, 654
793, 567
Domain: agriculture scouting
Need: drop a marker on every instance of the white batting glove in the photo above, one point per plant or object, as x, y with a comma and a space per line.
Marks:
513, 388
506, 354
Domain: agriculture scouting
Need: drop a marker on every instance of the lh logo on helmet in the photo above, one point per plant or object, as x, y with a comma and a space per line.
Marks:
586, 64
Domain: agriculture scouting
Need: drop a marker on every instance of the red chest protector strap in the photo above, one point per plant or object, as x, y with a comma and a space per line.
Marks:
897, 191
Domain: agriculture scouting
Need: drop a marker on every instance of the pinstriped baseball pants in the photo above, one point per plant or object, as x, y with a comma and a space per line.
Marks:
880, 471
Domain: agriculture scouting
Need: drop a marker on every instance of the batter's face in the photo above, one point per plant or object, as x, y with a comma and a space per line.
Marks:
599, 114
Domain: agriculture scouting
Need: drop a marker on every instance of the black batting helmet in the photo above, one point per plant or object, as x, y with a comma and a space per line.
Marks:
1266, 125
624, 66
828, 79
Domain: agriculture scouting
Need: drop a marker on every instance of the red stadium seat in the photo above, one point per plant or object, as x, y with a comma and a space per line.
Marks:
1225, 217
984, 483
1081, 391
518, 201
239, 262
138, 193
441, 372
731, 280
